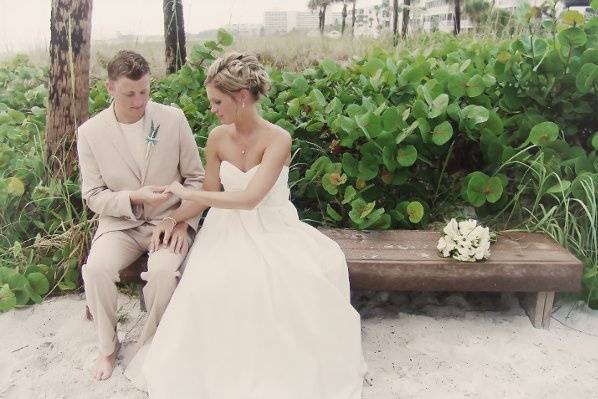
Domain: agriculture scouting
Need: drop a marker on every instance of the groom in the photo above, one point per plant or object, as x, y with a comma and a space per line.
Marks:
125, 152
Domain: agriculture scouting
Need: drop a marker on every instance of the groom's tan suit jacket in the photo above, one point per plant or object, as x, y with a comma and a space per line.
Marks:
109, 172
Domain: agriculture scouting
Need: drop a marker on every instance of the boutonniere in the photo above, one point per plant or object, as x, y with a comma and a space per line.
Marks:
151, 139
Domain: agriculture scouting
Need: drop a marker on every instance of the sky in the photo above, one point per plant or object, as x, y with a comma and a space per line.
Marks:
25, 24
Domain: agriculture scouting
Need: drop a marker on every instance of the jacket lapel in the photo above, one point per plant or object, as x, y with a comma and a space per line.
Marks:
149, 149
122, 147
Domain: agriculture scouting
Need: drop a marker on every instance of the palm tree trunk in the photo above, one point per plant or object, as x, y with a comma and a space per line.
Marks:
353, 19
457, 20
323, 17
406, 11
68, 82
344, 18
395, 21
174, 35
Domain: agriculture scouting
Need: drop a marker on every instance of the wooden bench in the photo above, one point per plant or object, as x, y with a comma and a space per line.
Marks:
530, 264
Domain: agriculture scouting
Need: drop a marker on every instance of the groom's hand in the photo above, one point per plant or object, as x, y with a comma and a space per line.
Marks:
165, 235
179, 240
150, 195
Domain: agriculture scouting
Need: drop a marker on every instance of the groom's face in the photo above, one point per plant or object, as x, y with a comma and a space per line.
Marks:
130, 96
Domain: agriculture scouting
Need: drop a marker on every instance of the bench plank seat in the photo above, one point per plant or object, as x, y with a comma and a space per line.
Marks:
531, 264
407, 260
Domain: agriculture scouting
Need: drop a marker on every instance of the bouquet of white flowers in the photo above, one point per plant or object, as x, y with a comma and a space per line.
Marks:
466, 241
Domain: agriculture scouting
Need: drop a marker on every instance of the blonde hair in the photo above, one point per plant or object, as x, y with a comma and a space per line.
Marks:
237, 71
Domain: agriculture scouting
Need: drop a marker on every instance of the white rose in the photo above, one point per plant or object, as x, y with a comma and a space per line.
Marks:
452, 229
485, 236
441, 244
480, 253
466, 226
476, 233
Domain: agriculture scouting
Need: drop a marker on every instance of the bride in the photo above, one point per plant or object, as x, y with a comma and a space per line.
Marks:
262, 310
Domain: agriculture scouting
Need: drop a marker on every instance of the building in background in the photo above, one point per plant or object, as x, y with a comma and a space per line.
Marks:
276, 22
426, 15
244, 29
287, 21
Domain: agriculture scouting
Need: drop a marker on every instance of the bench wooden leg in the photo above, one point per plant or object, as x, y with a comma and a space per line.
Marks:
88, 315
538, 306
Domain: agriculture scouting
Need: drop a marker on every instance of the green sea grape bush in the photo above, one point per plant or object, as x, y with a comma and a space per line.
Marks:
389, 140
43, 227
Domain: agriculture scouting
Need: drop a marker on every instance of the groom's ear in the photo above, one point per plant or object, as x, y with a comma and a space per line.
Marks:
110, 86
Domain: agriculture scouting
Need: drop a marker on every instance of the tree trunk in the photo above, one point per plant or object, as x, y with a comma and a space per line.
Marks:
353, 19
322, 18
395, 21
457, 20
406, 11
174, 35
344, 18
68, 82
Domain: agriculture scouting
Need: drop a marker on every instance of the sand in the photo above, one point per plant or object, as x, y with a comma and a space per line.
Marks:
417, 346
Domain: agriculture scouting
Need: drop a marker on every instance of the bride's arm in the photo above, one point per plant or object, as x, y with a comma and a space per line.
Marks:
260, 184
190, 208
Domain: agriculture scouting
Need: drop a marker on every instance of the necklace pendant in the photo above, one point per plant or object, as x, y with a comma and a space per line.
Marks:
243, 152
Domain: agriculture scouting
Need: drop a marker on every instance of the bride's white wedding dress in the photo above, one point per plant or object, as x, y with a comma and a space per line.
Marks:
261, 312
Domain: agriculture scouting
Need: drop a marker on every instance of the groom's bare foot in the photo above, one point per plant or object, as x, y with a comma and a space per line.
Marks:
105, 365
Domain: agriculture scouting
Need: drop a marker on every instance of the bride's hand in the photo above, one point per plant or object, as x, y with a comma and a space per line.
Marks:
177, 189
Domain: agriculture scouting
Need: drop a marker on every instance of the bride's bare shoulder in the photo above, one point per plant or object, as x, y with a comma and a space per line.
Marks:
218, 133
279, 135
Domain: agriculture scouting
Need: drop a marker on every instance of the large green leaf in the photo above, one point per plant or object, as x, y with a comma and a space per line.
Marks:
476, 187
7, 298
406, 155
442, 133
476, 113
299, 86
587, 78
334, 215
544, 133
317, 168
368, 167
493, 190
439, 106
572, 37
415, 211
456, 86
370, 123
350, 194
349, 165
390, 119
475, 86
329, 66
15, 186
39, 283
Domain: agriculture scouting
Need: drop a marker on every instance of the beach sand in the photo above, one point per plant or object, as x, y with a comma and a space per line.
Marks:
420, 345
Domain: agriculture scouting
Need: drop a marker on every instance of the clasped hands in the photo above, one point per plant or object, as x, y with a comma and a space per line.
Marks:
168, 233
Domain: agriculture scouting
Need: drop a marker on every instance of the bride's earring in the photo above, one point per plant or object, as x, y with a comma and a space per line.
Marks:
243, 104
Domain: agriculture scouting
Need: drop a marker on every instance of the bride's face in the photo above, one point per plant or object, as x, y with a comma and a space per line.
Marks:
224, 106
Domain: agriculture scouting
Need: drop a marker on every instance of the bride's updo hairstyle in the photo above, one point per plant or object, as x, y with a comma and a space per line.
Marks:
236, 71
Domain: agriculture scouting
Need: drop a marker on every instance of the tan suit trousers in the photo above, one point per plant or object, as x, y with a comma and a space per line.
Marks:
114, 251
